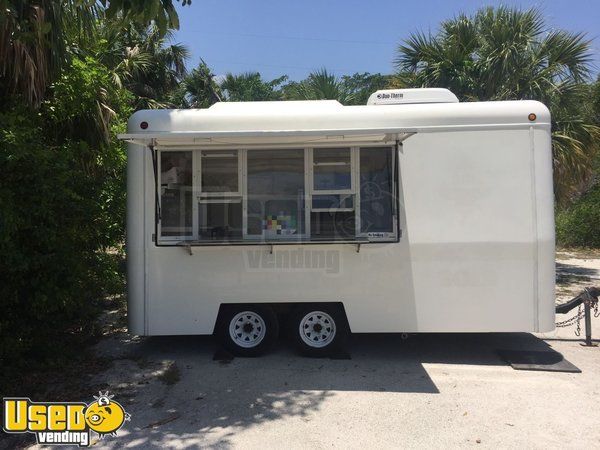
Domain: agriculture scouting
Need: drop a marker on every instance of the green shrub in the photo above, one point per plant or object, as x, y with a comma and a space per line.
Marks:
62, 198
579, 224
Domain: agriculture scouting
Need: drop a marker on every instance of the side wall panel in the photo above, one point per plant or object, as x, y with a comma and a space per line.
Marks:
470, 218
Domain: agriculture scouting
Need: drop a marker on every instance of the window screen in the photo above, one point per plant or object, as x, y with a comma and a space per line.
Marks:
275, 194
333, 215
220, 204
219, 171
376, 190
176, 193
332, 169
220, 219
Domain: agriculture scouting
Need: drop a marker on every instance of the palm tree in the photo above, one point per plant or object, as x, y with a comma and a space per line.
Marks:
37, 36
250, 86
33, 43
362, 85
141, 59
161, 66
198, 89
320, 85
161, 13
504, 54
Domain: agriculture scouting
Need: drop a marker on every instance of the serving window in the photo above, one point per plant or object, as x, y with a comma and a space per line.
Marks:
277, 195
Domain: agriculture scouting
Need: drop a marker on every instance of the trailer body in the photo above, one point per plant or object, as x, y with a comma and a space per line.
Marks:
462, 239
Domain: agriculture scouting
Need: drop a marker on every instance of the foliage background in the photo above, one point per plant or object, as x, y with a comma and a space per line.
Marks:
62, 203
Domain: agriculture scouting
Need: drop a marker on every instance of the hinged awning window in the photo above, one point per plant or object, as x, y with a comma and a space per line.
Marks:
228, 138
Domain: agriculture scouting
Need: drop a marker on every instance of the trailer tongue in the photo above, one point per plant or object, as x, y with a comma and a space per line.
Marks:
589, 299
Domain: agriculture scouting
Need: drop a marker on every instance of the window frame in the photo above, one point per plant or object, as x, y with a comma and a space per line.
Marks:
311, 191
304, 238
353, 162
198, 153
300, 237
201, 197
158, 225
396, 232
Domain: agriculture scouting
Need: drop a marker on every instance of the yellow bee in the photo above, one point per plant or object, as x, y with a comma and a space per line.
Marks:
105, 416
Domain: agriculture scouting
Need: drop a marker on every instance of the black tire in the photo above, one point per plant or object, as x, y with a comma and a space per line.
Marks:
247, 323
318, 330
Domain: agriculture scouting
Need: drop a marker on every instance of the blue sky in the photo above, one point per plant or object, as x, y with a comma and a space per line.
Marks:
297, 37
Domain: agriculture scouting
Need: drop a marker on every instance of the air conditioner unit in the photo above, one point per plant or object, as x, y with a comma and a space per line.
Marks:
412, 96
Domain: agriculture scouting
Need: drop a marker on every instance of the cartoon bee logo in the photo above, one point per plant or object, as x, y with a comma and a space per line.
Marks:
105, 416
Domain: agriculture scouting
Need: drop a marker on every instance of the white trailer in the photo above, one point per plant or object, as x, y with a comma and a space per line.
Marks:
413, 213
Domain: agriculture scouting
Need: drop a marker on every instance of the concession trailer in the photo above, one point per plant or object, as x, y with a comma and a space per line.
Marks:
413, 213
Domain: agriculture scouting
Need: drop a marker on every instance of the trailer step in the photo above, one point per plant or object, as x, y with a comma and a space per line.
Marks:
546, 361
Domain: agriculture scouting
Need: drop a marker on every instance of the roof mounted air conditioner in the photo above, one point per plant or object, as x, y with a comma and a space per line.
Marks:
412, 96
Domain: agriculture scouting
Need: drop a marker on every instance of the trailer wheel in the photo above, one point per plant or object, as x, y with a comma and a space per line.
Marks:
318, 330
248, 330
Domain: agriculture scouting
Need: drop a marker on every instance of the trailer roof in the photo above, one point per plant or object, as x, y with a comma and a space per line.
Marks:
230, 123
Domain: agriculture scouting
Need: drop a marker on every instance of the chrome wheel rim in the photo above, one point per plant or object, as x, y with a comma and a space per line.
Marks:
247, 329
317, 329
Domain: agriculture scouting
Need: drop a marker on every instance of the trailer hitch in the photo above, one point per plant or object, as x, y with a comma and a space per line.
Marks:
589, 299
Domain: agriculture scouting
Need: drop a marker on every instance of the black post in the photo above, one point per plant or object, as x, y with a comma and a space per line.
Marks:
588, 321
588, 324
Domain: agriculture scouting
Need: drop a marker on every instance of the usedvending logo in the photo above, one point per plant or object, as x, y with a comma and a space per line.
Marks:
65, 423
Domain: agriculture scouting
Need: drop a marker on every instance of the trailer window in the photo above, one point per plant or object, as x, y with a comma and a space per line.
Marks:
275, 194
220, 219
333, 214
220, 196
176, 194
266, 195
219, 171
332, 169
376, 190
